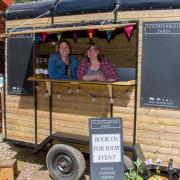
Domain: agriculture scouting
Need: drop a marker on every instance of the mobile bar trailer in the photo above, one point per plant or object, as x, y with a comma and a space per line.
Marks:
37, 111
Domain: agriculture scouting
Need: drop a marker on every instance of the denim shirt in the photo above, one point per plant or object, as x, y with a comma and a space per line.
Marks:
56, 67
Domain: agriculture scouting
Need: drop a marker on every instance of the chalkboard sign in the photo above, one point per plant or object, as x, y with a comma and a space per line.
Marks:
161, 65
19, 65
106, 149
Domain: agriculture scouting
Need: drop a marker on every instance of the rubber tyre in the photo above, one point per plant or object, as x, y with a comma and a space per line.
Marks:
65, 162
128, 163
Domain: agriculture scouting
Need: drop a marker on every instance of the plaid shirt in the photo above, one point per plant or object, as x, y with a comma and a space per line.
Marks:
108, 69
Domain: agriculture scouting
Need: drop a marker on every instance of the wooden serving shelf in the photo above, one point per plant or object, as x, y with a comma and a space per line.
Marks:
109, 84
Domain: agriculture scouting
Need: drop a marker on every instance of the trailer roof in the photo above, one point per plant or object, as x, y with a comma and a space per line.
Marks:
74, 7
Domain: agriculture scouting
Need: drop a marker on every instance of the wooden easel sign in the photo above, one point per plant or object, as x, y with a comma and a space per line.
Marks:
106, 149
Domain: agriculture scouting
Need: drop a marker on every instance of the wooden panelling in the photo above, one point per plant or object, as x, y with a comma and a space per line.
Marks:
125, 57
70, 111
0, 112
158, 130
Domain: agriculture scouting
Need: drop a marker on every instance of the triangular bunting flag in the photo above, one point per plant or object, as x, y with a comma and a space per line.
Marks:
59, 36
109, 35
37, 39
90, 33
43, 36
128, 30
75, 35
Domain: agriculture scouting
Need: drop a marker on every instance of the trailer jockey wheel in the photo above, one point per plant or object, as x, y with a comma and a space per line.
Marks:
65, 162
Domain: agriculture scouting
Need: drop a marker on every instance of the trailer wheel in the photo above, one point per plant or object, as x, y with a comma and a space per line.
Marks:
65, 162
128, 163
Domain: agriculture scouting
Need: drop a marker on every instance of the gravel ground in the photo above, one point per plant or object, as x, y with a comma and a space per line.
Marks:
30, 166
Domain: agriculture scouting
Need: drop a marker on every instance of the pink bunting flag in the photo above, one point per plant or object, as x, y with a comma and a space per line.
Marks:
128, 30
90, 33
43, 36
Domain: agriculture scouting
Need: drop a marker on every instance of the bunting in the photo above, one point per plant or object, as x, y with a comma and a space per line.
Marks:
128, 31
90, 33
59, 36
75, 35
44, 36
109, 35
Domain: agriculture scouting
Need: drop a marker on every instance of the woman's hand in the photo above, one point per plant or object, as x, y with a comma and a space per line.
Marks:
99, 77
112, 80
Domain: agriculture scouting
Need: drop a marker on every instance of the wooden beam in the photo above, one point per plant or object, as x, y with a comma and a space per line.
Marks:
63, 29
48, 84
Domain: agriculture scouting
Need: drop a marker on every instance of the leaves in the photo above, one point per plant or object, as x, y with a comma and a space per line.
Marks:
135, 173
139, 177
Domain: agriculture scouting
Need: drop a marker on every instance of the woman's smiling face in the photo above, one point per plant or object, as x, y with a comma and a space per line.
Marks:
92, 52
64, 49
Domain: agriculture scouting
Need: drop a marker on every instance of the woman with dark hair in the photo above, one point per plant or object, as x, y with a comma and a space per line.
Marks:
95, 67
61, 65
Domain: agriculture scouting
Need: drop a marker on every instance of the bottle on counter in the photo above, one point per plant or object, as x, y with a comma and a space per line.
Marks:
1, 81
41, 67
45, 67
37, 69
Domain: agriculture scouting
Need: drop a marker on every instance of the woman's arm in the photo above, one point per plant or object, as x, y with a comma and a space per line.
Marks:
52, 69
109, 71
97, 77
74, 67
82, 70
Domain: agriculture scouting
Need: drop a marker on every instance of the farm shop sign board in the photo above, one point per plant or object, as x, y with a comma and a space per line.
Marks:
106, 149
160, 65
